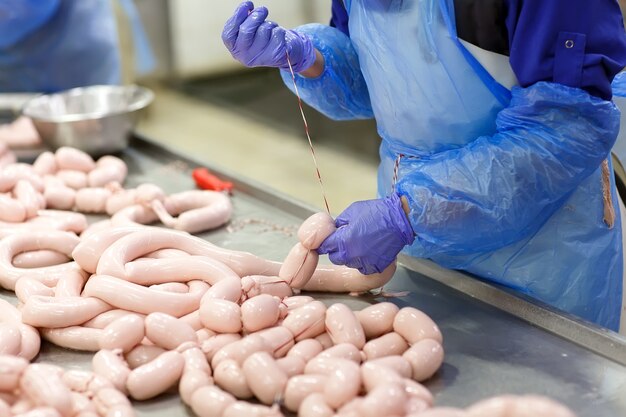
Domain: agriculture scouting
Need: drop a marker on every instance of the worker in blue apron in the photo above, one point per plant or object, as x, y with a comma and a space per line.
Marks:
52, 45
497, 122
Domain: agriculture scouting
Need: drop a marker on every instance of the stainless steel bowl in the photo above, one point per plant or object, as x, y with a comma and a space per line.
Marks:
97, 119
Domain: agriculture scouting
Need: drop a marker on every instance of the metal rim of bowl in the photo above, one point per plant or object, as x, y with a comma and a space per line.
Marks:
148, 97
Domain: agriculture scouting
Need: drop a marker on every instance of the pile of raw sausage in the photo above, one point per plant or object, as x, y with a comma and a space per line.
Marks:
163, 308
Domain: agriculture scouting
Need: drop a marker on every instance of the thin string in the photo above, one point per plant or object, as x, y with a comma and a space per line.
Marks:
396, 167
306, 130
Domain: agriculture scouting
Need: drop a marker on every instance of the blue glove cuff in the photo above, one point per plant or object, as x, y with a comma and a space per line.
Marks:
399, 218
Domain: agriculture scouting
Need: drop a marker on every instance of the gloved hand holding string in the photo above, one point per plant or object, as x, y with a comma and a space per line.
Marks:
257, 42
370, 235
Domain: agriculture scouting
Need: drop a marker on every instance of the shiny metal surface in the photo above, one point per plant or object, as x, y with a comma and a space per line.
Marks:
489, 351
96, 119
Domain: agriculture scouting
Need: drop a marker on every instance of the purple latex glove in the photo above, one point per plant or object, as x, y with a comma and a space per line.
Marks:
255, 42
370, 235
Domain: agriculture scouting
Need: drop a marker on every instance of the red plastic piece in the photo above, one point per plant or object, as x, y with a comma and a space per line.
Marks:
207, 181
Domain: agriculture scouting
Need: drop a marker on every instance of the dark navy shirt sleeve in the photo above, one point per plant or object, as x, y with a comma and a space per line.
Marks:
578, 43
339, 17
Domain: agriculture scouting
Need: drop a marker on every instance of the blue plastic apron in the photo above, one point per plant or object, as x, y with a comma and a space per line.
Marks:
435, 97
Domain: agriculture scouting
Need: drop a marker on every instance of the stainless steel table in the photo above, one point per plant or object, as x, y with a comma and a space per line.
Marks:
495, 342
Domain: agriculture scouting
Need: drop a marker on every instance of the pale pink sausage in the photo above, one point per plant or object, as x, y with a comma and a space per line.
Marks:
343, 326
11, 369
75, 159
238, 350
196, 210
84, 382
315, 230
229, 376
142, 354
343, 351
214, 344
123, 294
40, 412
81, 404
315, 405
519, 406
31, 341
26, 287
111, 365
344, 379
59, 241
44, 387
260, 312
92, 200
119, 200
415, 405
110, 160
167, 253
301, 386
70, 284
225, 289
134, 215
298, 266
72, 178
210, 401
254, 285
195, 359
61, 198
11, 210
102, 176
5, 409
386, 345
45, 164
178, 287
103, 320
384, 399
191, 381
22, 404
111, 402
425, 357
374, 374
75, 337
146, 193
305, 349
57, 312
220, 316
193, 320
88, 251
60, 220
416, 390
296, 301
39, 258
325, 340
377, 319
7, 159
414, 326
148, 240
266, 379
395, 362
279, 340
332, 278
307, 321
124, 333
10, 339
153, 378
168, 332
351, 408
11, 174
445, 412
158, 271
202, 334
29, 197
246, 409
291, 365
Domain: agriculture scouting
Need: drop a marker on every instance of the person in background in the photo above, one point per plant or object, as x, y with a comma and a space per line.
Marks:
52, 45
496, 122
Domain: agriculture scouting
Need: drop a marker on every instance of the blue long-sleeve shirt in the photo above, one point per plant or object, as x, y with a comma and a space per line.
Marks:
546, 40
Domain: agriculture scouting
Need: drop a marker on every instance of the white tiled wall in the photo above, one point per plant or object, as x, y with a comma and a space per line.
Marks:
196, 27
